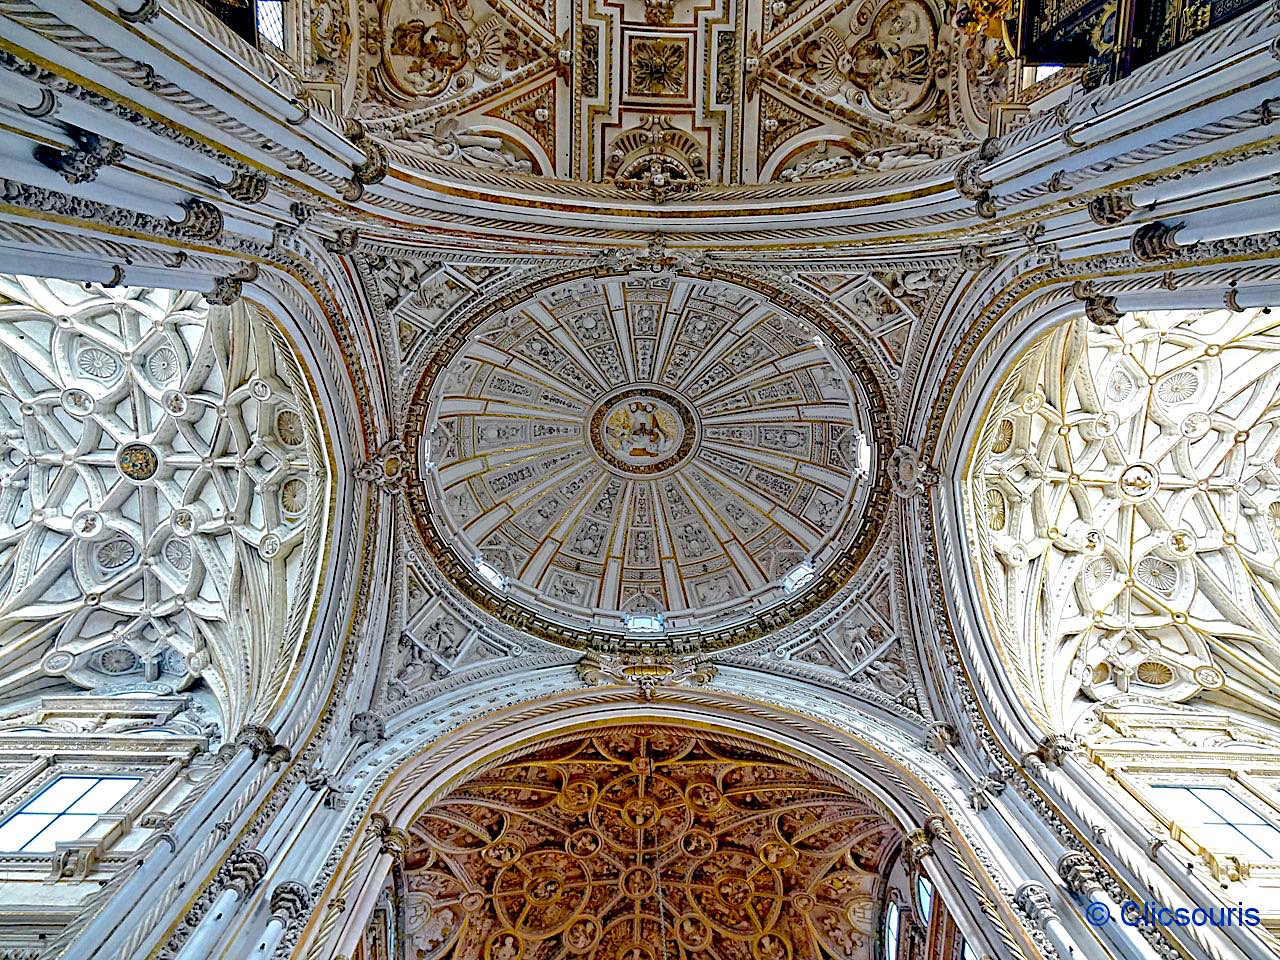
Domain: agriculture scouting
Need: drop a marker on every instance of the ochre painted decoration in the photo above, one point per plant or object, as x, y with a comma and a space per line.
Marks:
666, 98
647, 842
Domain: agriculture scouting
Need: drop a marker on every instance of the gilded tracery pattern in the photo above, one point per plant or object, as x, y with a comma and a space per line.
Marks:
1125, 493
161, 489
644, 843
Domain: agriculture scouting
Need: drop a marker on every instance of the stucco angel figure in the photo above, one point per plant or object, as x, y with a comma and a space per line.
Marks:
445, 140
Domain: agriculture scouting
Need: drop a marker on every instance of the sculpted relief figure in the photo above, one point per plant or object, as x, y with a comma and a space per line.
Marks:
446, 140
826, 160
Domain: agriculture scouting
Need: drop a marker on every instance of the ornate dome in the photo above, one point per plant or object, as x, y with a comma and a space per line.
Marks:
643, 843
162, 493
646, 455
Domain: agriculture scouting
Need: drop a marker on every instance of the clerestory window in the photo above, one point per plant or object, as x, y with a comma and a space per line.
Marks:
1219, 821
924, 898
892, 923
63, 810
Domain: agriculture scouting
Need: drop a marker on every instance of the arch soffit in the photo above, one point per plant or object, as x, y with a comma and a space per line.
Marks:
872, 759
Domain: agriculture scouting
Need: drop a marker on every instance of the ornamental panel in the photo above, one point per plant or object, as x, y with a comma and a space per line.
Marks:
643, 843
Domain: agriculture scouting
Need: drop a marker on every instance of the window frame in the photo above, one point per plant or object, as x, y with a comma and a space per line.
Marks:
891, 916
22, 782
1194, 831
135, 781
924, 909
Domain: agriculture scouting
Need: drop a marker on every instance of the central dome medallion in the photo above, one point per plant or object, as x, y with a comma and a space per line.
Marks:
648, 458
643, 431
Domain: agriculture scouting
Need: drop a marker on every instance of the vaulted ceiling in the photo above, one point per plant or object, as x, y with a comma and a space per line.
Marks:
648, 445
661, 97
647, 842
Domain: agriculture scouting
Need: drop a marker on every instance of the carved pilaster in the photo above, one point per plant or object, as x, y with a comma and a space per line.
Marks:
257, 738
394, 841
145, 12
246, 187
369, 727
940, 735
969, 180
1102, 311
227, 290
917, 845
80, 164
290, 902
344, 242
975, 258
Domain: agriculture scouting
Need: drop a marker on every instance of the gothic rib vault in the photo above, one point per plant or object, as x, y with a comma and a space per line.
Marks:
162, 495
642, 842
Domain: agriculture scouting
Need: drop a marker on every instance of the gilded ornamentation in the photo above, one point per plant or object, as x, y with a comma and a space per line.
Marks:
138, 461
424, 45
890, 78
658, 67
646, 672
643, 431
644, 842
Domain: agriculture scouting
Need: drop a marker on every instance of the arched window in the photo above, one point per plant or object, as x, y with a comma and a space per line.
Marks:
892, 923
924, 899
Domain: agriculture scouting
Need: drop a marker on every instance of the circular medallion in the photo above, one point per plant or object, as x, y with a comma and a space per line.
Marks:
57, 662
138, 461
642, 431
1209, 677
1138, 482
638, 882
